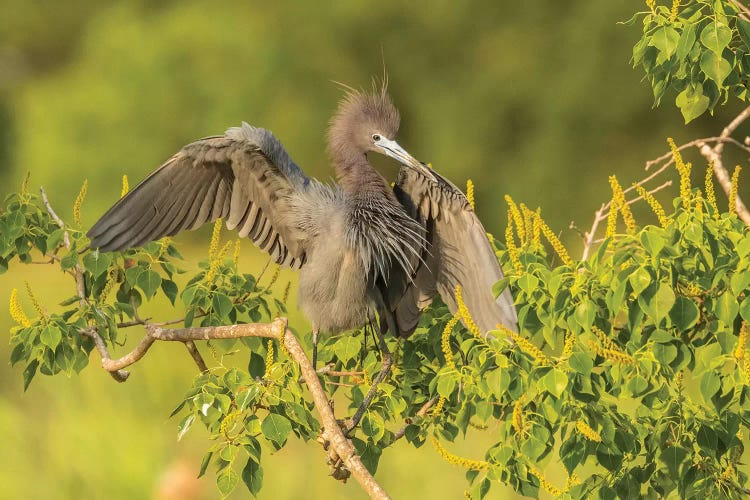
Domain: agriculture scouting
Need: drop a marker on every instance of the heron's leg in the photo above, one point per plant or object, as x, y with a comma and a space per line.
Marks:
315, 332
387, 361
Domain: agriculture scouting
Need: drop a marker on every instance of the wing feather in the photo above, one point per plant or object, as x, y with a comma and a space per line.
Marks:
457, 253
244, 176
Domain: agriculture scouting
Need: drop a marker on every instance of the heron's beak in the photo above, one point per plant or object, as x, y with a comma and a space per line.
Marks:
392, 149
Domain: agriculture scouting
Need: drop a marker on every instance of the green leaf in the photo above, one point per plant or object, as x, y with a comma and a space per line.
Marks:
373, 426
51, 336
276, 428
97, 263
169, 288
687, 40
710, 385
581, 363
652, 241
743, 28
226, 480
446, 383
665, 39
585, 314
184, 425
692, 102
726, 308
204, 463
29, 372
347, 348
252, 476
716, 36
745, 309
684, 313
149, 281
659, 305
715, 67
222, 305
739, 282
554, 382
639, 280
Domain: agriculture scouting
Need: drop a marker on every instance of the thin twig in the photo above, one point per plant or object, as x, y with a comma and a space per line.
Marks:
196, 355
421, 413
101, 346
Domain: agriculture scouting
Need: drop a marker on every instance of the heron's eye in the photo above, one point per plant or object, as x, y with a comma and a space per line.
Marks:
375, 137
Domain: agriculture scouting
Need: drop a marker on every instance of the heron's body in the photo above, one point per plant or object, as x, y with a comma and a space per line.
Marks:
361, 246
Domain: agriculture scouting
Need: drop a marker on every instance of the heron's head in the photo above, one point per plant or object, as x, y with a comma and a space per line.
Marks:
364, 122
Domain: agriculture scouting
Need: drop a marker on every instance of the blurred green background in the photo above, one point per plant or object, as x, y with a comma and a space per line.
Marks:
535, 99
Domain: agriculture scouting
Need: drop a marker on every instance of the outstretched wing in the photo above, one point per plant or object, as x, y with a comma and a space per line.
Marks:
457, 253
244, 176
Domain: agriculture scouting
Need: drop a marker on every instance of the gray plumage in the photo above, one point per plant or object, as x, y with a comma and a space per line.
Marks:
361, 246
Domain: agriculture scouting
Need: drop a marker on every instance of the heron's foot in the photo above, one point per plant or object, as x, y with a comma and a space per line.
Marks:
336, 465
357, 418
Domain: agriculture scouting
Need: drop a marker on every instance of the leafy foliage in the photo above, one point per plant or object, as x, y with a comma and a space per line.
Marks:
630, 370
698, 49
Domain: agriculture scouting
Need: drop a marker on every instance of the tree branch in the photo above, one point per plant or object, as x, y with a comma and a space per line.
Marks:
331, 432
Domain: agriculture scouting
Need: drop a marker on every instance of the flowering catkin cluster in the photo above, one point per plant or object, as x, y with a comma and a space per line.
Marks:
654, 204
739, 351
545, 484
269, 357
35, 302
16, 311
456, 460
79, 201
553, 240
510, 245
525, 345
463, 311
517, 218
586, 431
570, 341
674, 11
445, 341
733, 189
125, 186
519, 425
618, 200
437, 410
470, 193
710, 191
684, 170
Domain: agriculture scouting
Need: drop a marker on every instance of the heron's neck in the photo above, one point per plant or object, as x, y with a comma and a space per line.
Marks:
357, 177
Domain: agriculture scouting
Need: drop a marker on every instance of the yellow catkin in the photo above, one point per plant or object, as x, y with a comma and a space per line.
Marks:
510, 244
586, 431
604, 338
546, 485
674, 11
746, 367
651, 4
728, 472
733, 189
438, 409
25, 186
445, 340
79, 201
537, 229
612, 354
213, 246
710, 191
684, 170
236, 254
125, 186
109, 285
559, 248
269, 356
619, 195
274, 277
528, 222
570, 342
525, 345
614, 209
699, 203
35, 302
16, 311
456, 460
654, 204
470, 193
519, 425
285, 295
463, 311
517, 218
216, 261
572, 480
739, 351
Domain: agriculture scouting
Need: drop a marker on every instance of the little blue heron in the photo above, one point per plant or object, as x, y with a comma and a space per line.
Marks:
361, 247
